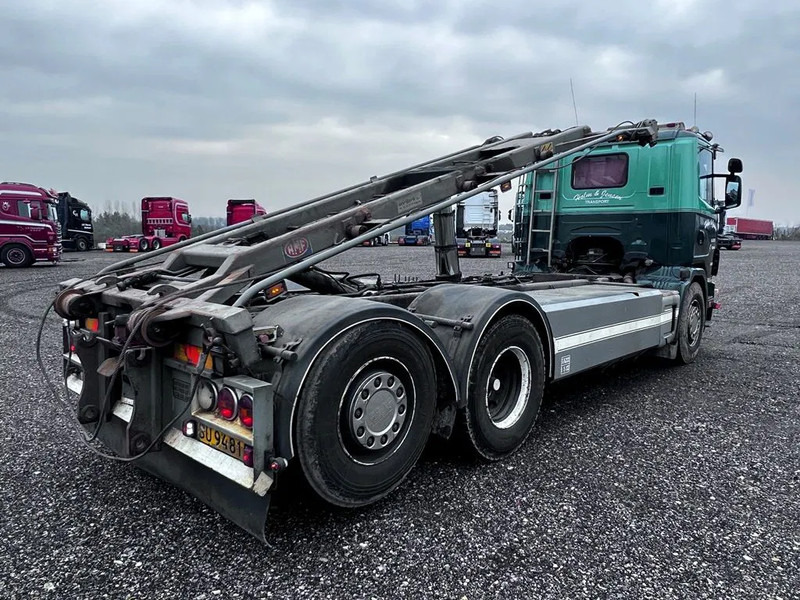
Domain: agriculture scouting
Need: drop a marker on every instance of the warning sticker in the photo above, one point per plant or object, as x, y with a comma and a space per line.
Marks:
565, 364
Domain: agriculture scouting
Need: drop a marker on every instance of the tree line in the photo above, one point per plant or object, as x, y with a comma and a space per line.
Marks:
116, 223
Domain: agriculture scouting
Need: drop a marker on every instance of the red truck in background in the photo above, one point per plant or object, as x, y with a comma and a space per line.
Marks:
29, 228
750, 229
242, 210
165, 221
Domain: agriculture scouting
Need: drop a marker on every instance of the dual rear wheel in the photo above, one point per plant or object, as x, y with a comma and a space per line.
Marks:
364, 416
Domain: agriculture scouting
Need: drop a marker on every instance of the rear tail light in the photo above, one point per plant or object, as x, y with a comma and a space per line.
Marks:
247, 456
206, 395
92, 324
227, 404
246, 410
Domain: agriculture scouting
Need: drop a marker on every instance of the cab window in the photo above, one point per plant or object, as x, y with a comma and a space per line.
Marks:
23, 209
705, 167
606, 171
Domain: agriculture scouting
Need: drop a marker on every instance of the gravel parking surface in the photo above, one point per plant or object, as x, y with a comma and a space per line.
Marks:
640, 481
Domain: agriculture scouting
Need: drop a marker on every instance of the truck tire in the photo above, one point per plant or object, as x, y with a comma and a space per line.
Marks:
16, 256
81, 244
143, 245
156, 244
365, 413
691, 322
505, 388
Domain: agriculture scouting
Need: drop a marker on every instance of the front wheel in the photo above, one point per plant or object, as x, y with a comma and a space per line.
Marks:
156, 244
505, 388
16, 256
143, 245
365, 413
81, 244
691, 323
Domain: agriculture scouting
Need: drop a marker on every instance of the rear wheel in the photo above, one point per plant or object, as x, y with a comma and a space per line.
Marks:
365, 413
143, 245
691, 323
156, 244
505, 387
16, 256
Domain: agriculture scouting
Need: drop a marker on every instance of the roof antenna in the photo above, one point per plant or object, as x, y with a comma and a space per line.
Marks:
574, 106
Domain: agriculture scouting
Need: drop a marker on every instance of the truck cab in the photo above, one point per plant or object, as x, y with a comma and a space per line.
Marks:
417, 233
242, 210
75, 218
477, 220
165, 221
643, 213
29, 229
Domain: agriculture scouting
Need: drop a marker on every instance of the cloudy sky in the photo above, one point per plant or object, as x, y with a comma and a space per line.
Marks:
213, 99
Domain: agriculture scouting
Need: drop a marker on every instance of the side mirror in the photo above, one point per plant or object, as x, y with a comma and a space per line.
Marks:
735, 165
733, 191
36, 213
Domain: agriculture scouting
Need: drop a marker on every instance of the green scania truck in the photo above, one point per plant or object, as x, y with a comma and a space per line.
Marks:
224, 360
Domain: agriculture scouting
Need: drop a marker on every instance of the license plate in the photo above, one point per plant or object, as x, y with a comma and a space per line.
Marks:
221, 441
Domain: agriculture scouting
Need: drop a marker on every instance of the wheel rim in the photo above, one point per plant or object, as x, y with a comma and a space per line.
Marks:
16, 256
695, 322
376, 410
508, 387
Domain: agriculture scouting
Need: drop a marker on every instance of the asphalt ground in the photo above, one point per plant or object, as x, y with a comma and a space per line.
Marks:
639, 481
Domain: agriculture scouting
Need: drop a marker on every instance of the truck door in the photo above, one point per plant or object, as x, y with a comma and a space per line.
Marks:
705, 220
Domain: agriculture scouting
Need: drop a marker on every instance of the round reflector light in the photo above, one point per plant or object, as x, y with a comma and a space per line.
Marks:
227, 403
206, 395
246, 410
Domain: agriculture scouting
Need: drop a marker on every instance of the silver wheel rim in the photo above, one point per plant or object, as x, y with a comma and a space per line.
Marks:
508, 387
376, 410
695, 322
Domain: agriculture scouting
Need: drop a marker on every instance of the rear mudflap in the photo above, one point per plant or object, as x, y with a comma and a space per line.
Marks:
247, 507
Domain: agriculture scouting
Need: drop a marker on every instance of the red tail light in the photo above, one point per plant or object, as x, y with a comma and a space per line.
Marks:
227, 403
247, 456
246, 410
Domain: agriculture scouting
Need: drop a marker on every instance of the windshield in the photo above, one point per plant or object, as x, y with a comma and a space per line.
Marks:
52, 215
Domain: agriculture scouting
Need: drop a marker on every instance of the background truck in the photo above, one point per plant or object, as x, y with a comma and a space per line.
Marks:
750, 229
477, 219
208, 370
239, 211
75, 219
29, 229
165, 221
417, 233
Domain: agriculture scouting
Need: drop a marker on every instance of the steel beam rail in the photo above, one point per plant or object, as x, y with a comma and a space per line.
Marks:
254, 289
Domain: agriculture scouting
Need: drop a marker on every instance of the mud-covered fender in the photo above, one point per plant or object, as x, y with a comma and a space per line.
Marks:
480, 306
310, 323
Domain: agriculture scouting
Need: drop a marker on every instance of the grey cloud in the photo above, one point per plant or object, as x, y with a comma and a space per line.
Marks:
211, 99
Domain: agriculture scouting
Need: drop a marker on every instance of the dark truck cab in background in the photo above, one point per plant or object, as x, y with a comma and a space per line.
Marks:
75, 218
